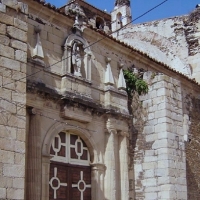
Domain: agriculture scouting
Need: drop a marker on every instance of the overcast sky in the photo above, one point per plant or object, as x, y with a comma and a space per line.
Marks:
169, 9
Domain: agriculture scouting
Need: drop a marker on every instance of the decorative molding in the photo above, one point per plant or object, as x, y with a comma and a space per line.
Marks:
38, 50
121, 81
76, 114
109, 80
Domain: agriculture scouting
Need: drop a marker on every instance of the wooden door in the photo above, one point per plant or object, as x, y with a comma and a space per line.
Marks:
70, 178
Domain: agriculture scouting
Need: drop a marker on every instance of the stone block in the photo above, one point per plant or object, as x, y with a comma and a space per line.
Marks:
9, 63
20, 98
2, 29
10, 3
8, 83
57, 32
151, 195
20, 147
162, 113
19, 45
149, 165
149, 173
161, 92
7, 132
150, 182
150, 153
164, 120
21, 56
57, 49
160, 144
152, 122
162, 172
17, 33
17, 171
23, 68
159, 100
21, 110
5, 182
7, 144
151, 137
6, 157
167, 195
19, 159
6, 51
166, 180
166, 135
21, 87
23, 7
148, 129
2, 8
8, 106
2, 193
152, 189
6, 19
20, 24
15, 193
152, 108
162, 127
17, 121
182, 195
151, 116
138, 168
55, 39
18, 183
4, 40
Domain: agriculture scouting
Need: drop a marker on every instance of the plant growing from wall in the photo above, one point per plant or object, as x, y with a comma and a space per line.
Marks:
134, 82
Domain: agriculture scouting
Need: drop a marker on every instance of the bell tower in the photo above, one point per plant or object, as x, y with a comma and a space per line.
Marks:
121, 15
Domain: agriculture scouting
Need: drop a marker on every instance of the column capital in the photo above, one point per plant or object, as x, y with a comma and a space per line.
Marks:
33, 111
123, 133
112, 131
98, 166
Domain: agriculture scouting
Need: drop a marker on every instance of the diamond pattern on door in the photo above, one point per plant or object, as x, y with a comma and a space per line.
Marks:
70, 172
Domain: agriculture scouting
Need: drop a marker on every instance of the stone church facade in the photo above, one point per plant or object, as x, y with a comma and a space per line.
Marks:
67, 127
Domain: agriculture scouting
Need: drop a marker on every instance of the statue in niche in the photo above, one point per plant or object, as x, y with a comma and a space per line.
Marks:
77, 54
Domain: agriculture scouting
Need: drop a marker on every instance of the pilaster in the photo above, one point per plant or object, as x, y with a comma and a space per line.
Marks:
112, 164
98, 173
160, 164
34, 166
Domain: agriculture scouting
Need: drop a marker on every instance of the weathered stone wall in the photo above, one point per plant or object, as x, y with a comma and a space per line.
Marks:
163, 40
173, 41
160, 163
13, 59
192, 131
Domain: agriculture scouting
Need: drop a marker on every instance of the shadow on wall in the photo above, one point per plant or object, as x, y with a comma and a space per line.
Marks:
193, 151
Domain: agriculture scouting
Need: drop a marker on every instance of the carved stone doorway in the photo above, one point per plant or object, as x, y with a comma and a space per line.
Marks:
70, 171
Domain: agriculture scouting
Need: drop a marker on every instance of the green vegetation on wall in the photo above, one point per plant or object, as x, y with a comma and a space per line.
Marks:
134, 83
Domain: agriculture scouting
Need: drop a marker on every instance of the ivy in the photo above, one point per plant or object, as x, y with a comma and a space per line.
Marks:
134, 83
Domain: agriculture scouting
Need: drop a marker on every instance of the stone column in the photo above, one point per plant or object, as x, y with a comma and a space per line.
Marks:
87, 65
123, 160
98, 171
112, 164
66, 65
45, 177
33, 188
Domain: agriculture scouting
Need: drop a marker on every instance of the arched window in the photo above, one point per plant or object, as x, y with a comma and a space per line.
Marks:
70, 171
99, 23
119, 20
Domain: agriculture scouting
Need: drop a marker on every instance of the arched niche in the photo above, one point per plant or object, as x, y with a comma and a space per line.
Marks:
99, 23
119, 20
77, 57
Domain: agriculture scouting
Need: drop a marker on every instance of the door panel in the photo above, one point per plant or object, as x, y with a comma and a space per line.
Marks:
69, 182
